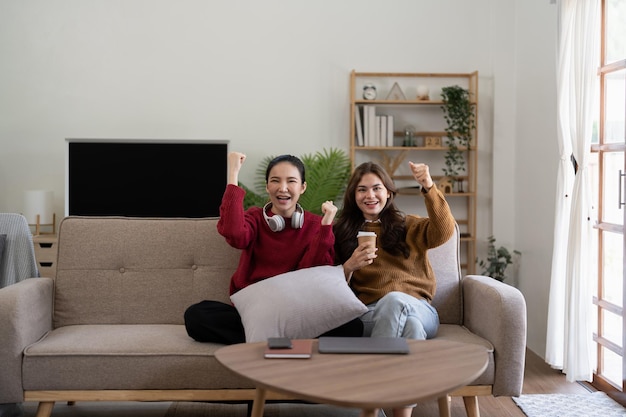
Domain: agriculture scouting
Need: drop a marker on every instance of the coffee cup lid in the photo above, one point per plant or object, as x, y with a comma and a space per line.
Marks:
362, 233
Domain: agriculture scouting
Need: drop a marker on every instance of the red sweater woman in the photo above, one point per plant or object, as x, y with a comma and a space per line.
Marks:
278, 238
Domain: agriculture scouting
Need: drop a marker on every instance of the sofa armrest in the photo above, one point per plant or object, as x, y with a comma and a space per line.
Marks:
497, 312
25, 317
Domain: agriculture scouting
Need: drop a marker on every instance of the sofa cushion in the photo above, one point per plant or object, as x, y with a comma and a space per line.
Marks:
138, 271
461, 334
445, 261
299, 304
124, 356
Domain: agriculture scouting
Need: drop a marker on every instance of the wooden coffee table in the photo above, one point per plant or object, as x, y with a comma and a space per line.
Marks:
431, 370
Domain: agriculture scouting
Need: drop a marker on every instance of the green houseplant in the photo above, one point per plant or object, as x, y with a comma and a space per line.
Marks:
327, 174
460, 117
498, 259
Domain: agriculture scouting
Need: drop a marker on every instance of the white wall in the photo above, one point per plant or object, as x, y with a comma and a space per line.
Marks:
272, 77
536, 157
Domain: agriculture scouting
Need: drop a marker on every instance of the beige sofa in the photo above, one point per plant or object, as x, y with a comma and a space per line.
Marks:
110, 325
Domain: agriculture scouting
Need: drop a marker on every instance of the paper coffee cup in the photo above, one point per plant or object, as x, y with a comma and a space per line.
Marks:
366, 237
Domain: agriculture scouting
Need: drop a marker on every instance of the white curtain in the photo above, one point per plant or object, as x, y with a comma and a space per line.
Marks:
569, 335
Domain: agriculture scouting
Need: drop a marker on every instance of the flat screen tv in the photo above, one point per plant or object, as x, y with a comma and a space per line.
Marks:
145, 178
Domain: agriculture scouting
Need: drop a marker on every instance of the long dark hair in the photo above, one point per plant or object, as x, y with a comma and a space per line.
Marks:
351, 219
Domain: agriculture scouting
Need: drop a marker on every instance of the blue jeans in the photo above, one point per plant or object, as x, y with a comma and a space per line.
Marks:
401, 315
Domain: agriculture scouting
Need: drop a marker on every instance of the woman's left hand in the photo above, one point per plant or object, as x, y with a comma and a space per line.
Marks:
421, 173
329, 210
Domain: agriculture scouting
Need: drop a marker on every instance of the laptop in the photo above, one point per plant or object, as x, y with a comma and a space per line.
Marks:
397, 345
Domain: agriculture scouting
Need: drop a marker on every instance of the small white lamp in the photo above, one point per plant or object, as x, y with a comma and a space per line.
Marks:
38, 210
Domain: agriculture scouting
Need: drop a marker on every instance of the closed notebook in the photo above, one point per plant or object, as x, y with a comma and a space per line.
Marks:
396, 345
300, 349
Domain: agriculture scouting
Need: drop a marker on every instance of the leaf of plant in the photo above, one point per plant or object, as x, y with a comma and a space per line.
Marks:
327, 174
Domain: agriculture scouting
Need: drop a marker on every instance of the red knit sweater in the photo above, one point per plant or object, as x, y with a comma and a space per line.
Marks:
266, 253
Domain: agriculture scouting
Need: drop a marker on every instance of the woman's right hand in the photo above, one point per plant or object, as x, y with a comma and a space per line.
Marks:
235, 161
362, 256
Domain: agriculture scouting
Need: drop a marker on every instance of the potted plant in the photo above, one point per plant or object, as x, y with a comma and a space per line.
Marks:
460, 117
497, 260
327, 175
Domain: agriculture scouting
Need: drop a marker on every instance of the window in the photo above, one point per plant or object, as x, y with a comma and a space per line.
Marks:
609, 170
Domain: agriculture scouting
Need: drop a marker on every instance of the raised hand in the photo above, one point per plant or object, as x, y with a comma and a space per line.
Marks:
421, 173
235, 161
329, 210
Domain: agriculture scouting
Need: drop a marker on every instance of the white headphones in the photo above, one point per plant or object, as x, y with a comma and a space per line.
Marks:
277, 223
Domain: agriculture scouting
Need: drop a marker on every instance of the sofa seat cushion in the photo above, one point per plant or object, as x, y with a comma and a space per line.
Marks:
100, 357
461, 334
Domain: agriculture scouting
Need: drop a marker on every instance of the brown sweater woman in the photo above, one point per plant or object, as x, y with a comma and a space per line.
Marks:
412, 275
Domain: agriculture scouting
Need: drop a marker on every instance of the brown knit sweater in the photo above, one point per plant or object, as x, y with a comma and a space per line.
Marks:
412, 275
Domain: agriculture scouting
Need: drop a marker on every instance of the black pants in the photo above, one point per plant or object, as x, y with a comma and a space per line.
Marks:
214, 321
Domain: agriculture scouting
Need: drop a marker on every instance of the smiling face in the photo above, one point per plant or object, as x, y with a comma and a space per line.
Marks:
284, 186
371, 196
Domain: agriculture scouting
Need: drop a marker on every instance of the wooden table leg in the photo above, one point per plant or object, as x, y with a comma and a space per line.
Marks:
259, 403
44, 409
444, 406
471, 406
370, 412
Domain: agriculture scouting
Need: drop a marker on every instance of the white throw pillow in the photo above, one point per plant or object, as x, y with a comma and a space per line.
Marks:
300, 304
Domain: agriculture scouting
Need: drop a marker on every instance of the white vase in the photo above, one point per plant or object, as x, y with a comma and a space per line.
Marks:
422, 92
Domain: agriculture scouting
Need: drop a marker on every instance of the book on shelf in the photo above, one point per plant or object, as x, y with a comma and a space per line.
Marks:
300, 349
383, 133
390, 130
366, 126
359, 126
371, 128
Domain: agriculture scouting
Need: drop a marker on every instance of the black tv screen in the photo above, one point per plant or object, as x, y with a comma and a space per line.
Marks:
145, 178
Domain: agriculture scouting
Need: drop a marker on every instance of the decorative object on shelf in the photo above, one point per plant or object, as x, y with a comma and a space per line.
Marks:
423, 92
390, 163
327, 175
39, 211
409, 136
458, 112
369, 92
497, 260
446, 185
396, 93
432, 141
460, 188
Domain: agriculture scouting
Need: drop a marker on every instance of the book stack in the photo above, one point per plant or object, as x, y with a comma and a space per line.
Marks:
372, 129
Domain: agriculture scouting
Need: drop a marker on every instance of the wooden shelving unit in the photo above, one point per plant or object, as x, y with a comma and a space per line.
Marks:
427, 120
